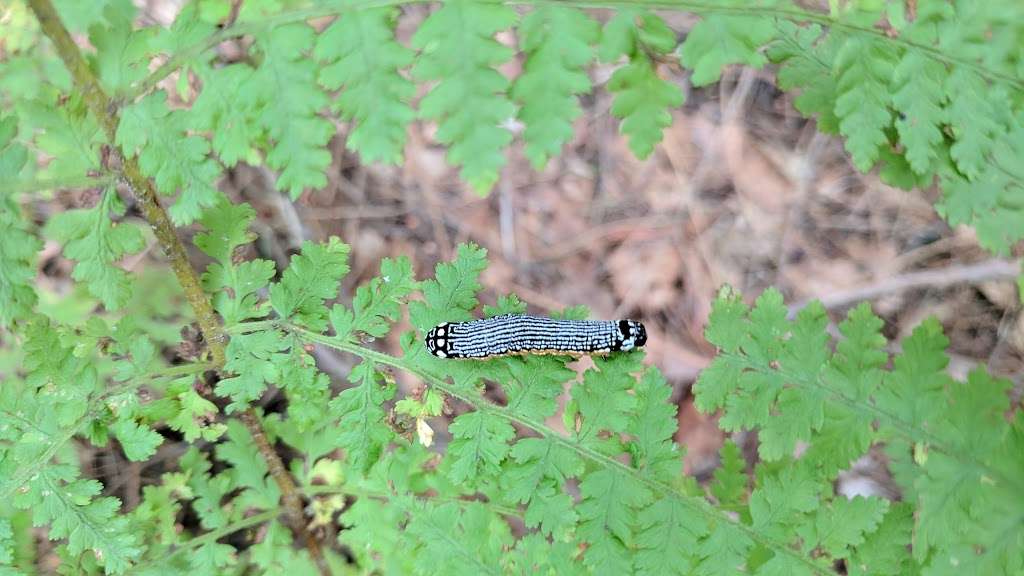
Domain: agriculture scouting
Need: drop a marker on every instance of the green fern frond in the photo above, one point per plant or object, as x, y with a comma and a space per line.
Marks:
930, 423
722, 39
18, 247
175, 161
557, 43
863, 70
642, 97
364, 60
288, 104
96, 243
458, 50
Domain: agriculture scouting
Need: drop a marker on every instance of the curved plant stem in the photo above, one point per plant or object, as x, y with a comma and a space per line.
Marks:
144, 191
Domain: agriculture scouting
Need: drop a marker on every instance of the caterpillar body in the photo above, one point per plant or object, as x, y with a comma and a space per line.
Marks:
510, 334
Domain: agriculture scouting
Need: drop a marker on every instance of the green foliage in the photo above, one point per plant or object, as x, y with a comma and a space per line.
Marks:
949, 441
96, 243
175, 161
364, 60
719, 40
18, 246
469, 103
642, 97
313, 276
288, 104
432, 479
933, 92
557, 43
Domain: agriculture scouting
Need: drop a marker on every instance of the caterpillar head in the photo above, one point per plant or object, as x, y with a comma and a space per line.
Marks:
632, 334
438, 341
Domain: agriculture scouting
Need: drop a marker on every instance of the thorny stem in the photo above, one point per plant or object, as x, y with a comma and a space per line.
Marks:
142, 188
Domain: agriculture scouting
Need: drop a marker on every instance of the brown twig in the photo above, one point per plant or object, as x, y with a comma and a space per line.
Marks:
942, 278
142, 188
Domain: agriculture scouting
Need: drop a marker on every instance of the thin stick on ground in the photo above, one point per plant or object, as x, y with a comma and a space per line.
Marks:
986, 271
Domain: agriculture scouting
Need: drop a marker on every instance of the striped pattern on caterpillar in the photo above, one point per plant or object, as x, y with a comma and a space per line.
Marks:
510, 334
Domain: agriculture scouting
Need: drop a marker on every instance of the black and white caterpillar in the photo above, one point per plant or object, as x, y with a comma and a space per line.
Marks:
518, 334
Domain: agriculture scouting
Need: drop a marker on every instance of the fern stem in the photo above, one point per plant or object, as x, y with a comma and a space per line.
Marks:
214, 535
336, 7
32, 186
696, 504
378, 495
144, 191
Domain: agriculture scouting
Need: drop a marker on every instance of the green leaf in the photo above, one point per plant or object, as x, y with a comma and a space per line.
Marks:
229, 112
884, 551
641, 96
68, 134
312, 276
780, 501
80, 16
535, 462
854, 372
730, 479
18, 247
479, 445
653, 427
288, 103
972, 117
6, 542
208, 490
805, 56
863, 69
469, 104
458, 540
122, 53
365, 61
192, 415
248, 468
919, 99
841, 527
139, 442
724, 551
718, 40
175, 161
914, 391
668, 538
95, 243
608, 514
234, 286
557, 43
552, 511
533, 384
507, 304
362, 431
377, 304
69, 505
255, 359
451, 295
602, 400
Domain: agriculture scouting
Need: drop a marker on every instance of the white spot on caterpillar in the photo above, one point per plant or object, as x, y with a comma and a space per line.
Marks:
441, 354
440, 331
440, 341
